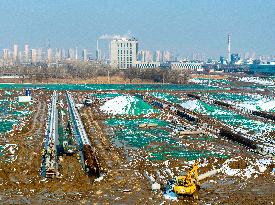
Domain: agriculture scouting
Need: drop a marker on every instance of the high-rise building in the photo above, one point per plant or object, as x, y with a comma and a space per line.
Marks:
166, 56
49, 55
124, 52
34, 55
39, 54
6, 54
157, 56
145, 56
15, 52
20, 57
26, 53
63, 54
84, 54
141, 56
148, 56
71, 54
58, 55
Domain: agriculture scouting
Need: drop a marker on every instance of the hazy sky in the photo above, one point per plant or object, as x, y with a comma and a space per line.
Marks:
182, 26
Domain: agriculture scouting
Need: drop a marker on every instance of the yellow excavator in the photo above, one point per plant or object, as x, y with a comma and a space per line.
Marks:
188, 185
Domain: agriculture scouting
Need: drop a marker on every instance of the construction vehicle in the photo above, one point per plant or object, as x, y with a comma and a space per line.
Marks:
188, 185
88, 102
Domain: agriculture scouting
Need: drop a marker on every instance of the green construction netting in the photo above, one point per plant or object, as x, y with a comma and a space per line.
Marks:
186, 154
159, 142
10, 115
102, 87
227, 116
106, 95
167, 97
135, 122
248, 101
229, 96
1, 149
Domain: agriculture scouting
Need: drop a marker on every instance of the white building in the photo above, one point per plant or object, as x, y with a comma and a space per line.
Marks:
26, 53
34, 55
145, 56
124, 53
49, 55
147, 64
59, 55
141, 56
6, 54
157, 56
15, 52
187, 66
166, 56
71, 54
85, 55
39, 55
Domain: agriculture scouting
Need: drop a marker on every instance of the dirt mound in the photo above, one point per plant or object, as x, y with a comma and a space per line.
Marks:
238, 164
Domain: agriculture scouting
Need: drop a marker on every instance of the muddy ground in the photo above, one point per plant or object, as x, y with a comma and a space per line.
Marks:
124, 180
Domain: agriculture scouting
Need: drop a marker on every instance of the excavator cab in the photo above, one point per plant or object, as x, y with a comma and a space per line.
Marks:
188, 185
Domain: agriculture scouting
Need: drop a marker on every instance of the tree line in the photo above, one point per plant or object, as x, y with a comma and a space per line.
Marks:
88, 70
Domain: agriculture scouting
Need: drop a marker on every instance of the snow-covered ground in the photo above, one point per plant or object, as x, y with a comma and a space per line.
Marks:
126, 105
199, 81
247, 101
205, 81
258, 103
192, 105
242, 123
258, 80
253, 168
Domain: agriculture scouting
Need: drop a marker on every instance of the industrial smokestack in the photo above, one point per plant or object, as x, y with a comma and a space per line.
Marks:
229, 48
97, 51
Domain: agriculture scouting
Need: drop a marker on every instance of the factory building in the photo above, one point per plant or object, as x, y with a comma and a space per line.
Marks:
186, 66
147, 64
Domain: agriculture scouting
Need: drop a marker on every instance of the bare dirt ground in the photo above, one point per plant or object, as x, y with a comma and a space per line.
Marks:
96, 80
123, 181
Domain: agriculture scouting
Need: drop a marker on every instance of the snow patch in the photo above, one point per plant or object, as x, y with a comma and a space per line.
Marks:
126, 105
263, 104
191, 105
257, 80
198, 81
253, 167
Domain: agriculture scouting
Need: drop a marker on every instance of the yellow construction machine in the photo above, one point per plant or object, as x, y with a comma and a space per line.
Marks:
188, 185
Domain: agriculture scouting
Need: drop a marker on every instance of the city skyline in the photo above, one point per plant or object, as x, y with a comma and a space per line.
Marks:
184, 27
101, 53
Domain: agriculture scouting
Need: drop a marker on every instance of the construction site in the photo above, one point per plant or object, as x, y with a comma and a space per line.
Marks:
205, 142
